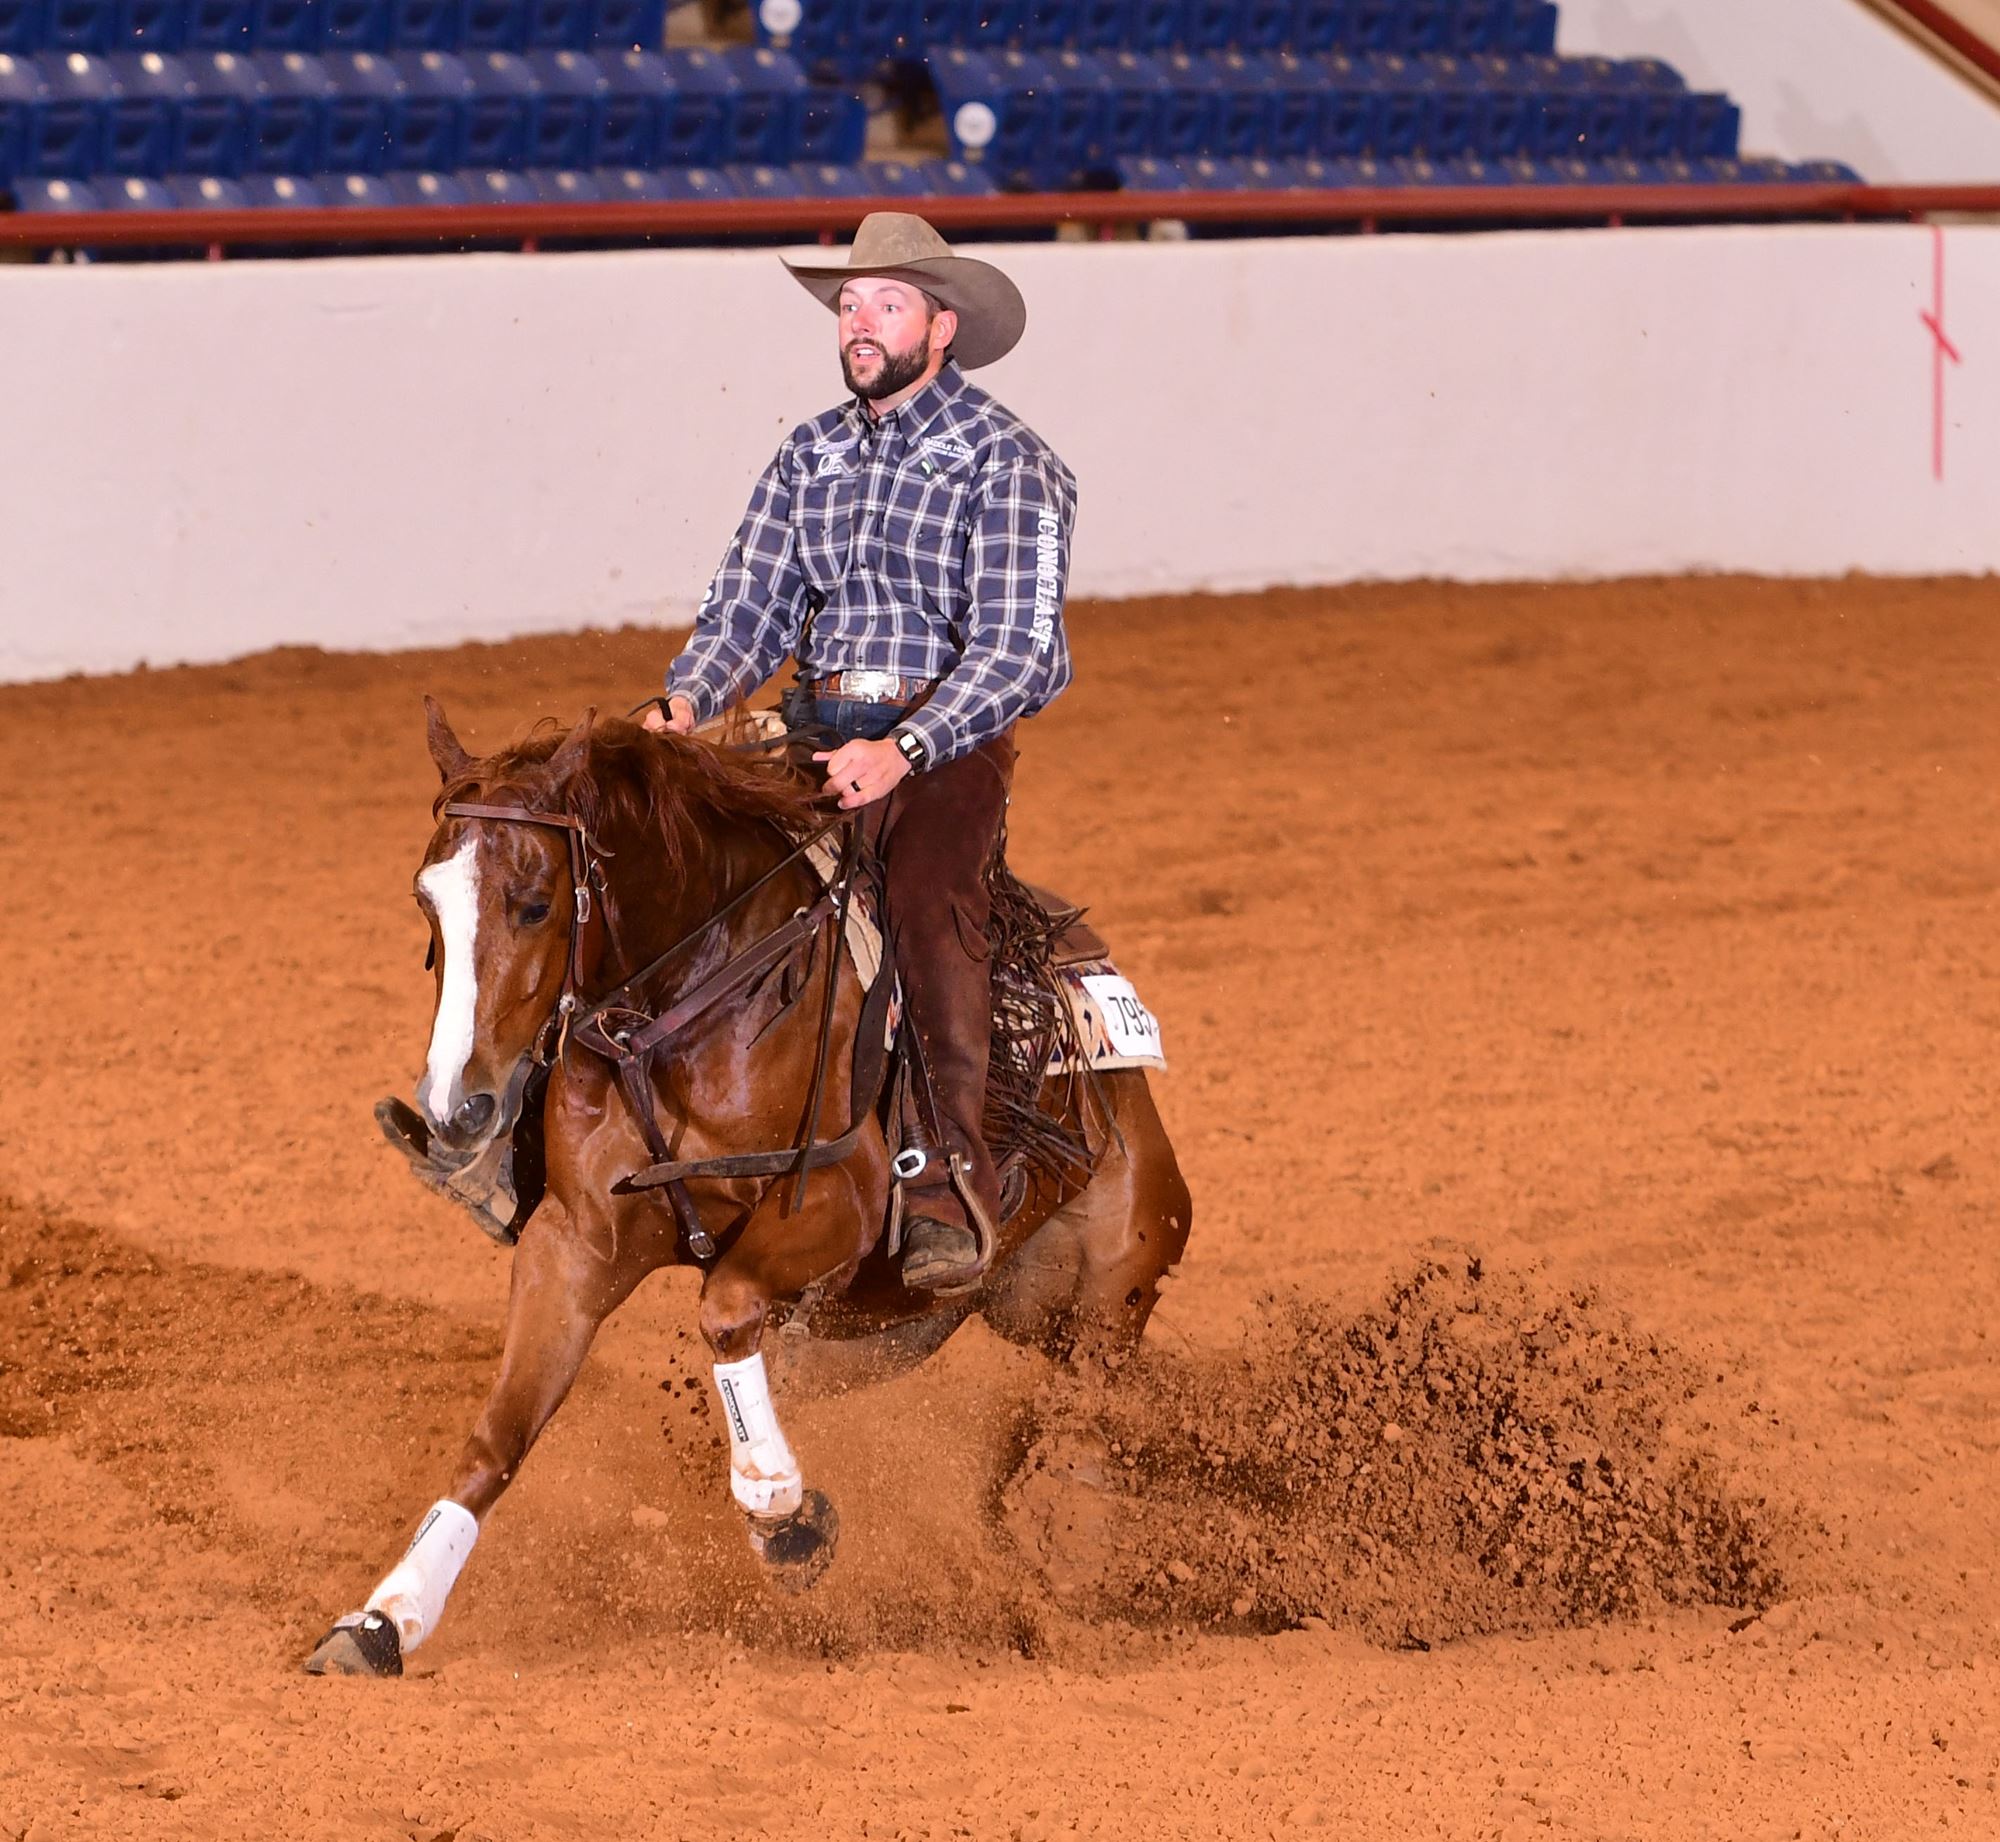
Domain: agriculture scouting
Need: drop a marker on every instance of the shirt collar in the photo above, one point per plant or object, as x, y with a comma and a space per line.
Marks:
922, 409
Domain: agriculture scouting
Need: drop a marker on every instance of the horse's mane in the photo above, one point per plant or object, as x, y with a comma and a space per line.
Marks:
676, 787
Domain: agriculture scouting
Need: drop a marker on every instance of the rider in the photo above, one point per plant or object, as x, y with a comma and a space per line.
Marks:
910, 549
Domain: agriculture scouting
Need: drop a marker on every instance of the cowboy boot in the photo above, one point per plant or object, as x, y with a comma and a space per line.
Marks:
951, 1019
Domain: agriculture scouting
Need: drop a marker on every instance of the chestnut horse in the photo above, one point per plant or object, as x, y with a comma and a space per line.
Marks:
591, 854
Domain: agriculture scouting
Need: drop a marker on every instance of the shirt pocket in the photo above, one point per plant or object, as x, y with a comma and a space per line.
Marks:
924, 530
823, 515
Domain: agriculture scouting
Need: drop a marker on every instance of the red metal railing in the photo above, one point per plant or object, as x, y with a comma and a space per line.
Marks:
1949, 29
527, 226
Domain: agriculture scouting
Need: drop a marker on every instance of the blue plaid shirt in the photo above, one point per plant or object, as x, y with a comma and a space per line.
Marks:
937, 543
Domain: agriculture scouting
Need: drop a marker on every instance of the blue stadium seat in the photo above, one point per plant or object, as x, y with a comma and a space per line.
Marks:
1148, 173
219, 25
287, 25
497, 185
559, 25
151, 88
495, 117
151, 25
66, 121
350, 191
1265, 25
830, 179
1135, 90
281, 192
1245, 122
212, 127
631, 184
1825, 172
625, 131
20, 90
695, 109
685, 182
828, 125
423, 25
1582, 124
1212, 25
288, 112
1189, 107
79, 25
55, 195
134, 192
562, 185
23, 24
761, 179
425, 188
1710, 127
427, 118
562, 109
357, 25
1105, 25
493, 25
355, 136
630, 24
761, 124
207, 192
955, 179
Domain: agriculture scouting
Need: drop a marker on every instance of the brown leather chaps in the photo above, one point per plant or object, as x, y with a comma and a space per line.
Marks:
935, 834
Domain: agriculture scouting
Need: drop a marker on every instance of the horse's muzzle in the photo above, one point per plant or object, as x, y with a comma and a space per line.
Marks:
471, 1124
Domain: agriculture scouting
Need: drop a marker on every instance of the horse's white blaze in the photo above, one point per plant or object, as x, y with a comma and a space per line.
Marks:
453, 887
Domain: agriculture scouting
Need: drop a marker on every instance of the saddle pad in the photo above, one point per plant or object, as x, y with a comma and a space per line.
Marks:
1114, 1027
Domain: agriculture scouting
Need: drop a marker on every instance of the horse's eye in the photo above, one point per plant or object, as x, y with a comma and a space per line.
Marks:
534, 914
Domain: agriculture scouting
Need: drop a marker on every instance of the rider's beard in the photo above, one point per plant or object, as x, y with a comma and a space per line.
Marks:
899, 370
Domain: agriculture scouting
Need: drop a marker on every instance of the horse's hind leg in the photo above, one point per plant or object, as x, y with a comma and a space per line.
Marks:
1086, 1281
562, 1290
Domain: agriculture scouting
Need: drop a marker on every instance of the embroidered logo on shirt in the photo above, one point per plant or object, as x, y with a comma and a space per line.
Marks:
833, 459
1048, 578
947, 447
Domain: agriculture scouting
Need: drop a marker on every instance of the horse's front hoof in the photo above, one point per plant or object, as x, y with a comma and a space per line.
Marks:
361, 1644
799, 1548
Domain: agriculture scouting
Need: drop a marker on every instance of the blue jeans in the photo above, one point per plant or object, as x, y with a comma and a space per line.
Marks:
855, 719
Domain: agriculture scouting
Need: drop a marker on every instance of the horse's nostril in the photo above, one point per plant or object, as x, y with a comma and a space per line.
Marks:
474, 1116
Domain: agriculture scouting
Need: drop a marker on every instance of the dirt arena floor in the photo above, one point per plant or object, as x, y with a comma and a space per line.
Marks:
1576, 1414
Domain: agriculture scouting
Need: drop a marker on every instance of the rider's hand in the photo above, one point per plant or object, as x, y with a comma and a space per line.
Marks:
679, 722
862, 772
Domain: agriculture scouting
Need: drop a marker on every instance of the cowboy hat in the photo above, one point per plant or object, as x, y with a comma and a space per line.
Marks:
902, 247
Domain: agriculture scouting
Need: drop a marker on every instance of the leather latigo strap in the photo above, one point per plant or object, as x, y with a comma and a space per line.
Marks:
871, 1062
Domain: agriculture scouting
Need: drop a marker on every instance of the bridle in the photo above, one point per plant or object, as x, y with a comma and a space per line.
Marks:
586, 872
615, 1028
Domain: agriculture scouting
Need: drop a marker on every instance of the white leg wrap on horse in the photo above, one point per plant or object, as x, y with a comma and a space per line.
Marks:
763, 1474
417, 1586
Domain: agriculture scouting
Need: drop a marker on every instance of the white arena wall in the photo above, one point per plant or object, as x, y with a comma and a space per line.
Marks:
202, 460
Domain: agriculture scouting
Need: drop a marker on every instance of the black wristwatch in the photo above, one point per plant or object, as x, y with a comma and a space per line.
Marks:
913, 750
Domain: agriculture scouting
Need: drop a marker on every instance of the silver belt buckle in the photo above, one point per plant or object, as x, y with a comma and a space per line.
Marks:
882, 687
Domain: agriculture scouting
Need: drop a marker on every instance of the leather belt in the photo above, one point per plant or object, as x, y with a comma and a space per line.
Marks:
873, 687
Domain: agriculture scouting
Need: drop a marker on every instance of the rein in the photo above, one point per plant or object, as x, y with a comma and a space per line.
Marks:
629, 1037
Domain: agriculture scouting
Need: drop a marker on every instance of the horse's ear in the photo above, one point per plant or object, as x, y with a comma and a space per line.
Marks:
574, 751
446, 750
